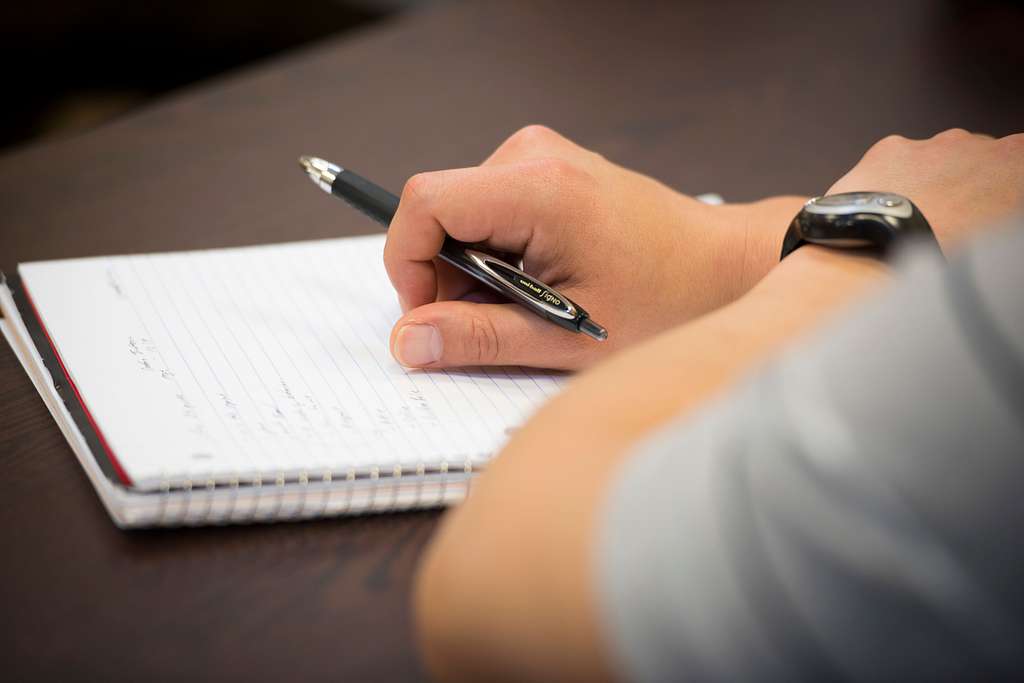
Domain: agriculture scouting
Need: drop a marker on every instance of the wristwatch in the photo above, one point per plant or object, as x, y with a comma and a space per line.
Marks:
874, 221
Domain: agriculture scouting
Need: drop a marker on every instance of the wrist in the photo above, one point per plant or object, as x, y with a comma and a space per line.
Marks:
814, 277
755, 232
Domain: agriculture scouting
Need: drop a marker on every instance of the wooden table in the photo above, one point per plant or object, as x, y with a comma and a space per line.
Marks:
747, 99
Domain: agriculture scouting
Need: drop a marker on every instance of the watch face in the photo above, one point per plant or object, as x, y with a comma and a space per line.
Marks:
884, 203
846, 198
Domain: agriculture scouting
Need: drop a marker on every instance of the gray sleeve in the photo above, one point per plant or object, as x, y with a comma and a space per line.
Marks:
853, 511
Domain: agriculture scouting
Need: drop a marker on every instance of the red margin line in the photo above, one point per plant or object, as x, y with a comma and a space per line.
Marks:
125, 479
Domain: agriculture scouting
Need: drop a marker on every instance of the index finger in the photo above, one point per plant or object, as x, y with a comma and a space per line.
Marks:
505, 207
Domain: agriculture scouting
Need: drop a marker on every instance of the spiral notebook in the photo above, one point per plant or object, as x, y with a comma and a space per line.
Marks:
252, 384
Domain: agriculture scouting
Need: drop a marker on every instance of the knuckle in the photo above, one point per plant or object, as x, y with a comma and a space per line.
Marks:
416, 188
1014, 143
563, 173
556, 168
532, 136
1010, 151
890, 142
389, 252
888, 148
482, 344
952, 134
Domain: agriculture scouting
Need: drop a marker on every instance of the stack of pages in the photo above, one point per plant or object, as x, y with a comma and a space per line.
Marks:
252, 384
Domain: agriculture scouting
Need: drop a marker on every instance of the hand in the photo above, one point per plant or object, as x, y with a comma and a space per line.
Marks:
638, 256
960, 181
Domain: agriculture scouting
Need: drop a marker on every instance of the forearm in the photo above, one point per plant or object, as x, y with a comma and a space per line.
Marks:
505, 587
682, 368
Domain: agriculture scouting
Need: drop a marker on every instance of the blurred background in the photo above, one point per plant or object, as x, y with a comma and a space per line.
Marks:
72, 64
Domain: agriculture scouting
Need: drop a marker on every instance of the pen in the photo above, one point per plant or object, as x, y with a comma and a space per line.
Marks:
380, 205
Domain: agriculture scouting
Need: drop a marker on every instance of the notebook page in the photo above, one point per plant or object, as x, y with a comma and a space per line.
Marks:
266, 361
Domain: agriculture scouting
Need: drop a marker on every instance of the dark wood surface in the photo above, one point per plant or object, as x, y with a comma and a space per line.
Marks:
748, 99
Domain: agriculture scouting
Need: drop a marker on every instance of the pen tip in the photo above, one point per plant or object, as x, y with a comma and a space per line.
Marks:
321, 172
593, 330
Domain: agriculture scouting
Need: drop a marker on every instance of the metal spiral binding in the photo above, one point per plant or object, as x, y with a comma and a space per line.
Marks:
444, 482
230, 514
374, 488
304, 482
211, 485
396, 485
258, 484
467, 468
165, 489
421, 471
279, 492
350, 478
187, 486
326, 480
240, 500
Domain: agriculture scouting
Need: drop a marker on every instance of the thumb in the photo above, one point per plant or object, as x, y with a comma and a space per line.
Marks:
460, 333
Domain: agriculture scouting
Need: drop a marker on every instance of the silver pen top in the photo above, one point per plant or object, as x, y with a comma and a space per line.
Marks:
320, 171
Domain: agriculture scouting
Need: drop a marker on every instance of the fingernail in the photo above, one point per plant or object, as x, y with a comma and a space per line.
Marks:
418, 345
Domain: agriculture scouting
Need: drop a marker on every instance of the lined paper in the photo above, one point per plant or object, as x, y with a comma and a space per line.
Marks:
264, 362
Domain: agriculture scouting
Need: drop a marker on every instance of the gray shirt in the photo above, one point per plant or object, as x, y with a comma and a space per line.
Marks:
855, 510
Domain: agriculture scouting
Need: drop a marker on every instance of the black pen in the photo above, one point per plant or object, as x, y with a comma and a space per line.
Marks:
380, 205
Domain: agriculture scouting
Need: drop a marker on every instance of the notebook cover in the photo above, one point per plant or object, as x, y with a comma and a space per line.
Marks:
65, 388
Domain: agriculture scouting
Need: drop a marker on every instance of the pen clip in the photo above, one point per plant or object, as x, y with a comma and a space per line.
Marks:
524, 287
